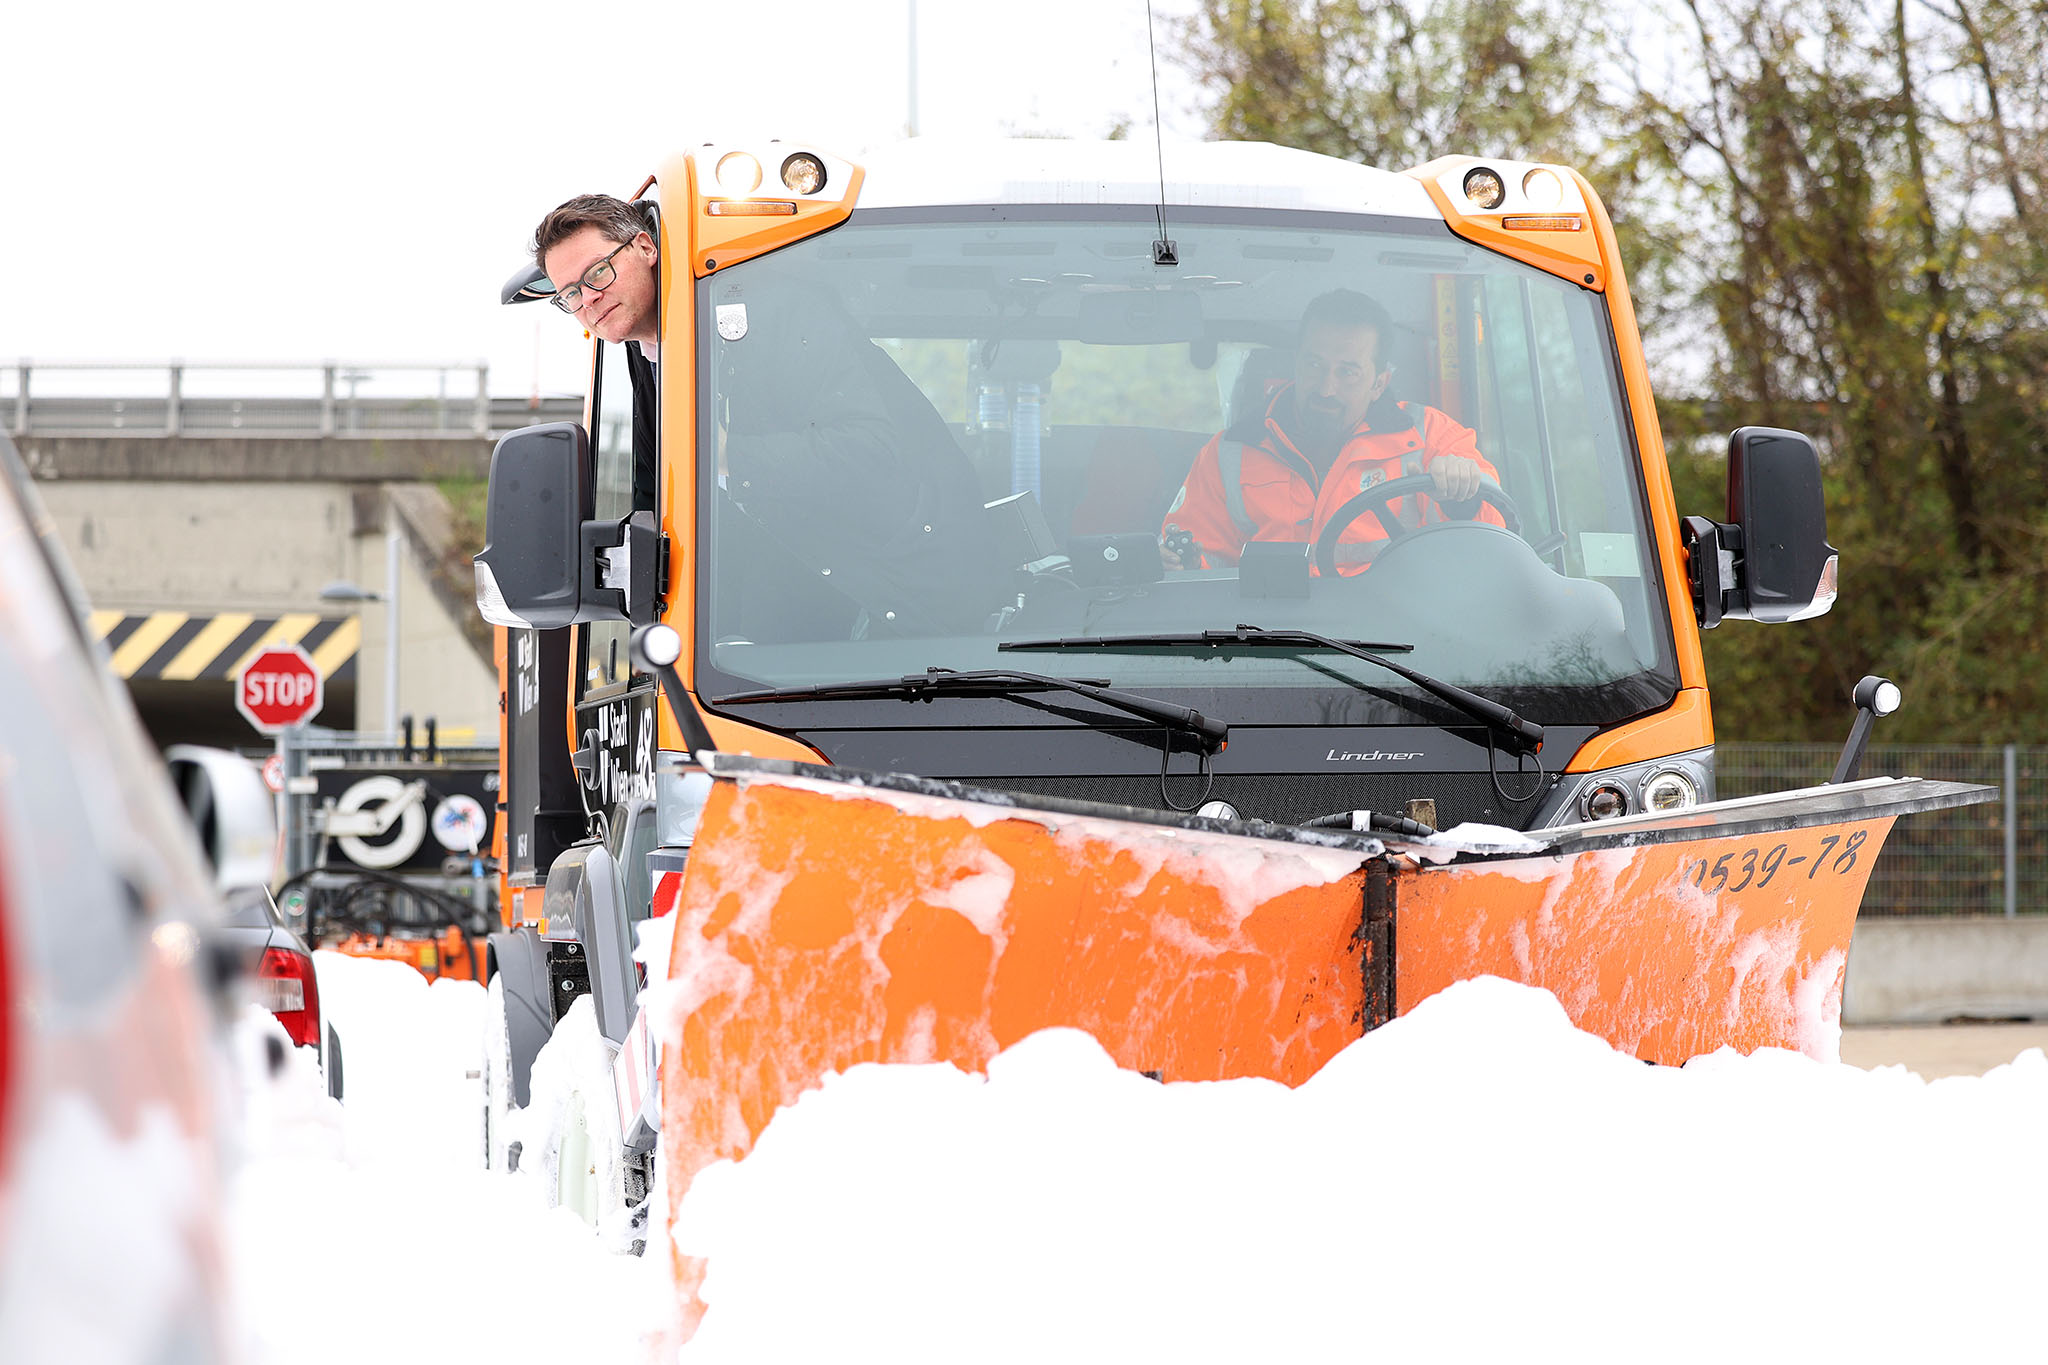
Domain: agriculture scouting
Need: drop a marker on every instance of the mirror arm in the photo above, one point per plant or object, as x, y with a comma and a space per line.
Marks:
647, 569
625, 565
1713, 554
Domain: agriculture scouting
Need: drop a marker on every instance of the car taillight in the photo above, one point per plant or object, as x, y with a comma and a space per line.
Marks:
286, 987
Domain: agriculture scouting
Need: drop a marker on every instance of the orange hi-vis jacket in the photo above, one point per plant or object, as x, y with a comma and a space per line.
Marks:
1281, 502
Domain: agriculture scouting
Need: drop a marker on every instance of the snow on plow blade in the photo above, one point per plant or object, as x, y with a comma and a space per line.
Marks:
829, 917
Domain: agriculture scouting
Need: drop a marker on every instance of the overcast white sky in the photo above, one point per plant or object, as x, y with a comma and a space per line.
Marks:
227, 180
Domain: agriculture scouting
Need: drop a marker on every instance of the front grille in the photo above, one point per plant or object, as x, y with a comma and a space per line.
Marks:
1290, 798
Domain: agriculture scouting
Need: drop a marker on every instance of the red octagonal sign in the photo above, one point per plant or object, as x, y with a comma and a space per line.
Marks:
279, 688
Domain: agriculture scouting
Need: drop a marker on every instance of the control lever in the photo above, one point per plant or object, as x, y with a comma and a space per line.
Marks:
656, 649
1874, 697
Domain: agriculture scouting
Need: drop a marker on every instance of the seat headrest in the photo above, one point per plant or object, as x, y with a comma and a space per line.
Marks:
1265, 370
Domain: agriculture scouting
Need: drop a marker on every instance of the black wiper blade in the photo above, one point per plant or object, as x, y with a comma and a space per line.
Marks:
1518, 736
1191, 637
1212, 734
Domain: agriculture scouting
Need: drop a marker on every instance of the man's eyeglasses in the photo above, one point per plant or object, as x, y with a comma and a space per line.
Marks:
598, 277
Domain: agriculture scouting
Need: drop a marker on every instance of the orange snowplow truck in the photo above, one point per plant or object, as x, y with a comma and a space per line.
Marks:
1214, 608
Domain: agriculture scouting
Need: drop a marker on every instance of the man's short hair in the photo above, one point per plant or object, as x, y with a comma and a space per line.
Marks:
615, 218
1349, 308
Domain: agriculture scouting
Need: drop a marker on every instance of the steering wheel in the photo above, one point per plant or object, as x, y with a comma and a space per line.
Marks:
1379, 500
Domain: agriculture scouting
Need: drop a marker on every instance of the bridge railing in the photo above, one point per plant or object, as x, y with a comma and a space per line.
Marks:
294, 401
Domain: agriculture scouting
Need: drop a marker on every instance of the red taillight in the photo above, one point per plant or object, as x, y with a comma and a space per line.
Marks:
285, 986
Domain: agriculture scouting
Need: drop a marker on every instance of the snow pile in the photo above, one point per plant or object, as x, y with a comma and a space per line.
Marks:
369, 1230
119, 1205
1470, 837
1476, 1179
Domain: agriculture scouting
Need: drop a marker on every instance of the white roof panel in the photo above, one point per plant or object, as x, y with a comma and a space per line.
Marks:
929, 171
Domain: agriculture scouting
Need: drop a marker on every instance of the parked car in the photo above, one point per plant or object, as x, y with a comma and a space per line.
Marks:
112, 1069
231, 811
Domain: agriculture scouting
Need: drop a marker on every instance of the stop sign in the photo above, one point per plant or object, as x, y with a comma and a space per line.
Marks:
278, 689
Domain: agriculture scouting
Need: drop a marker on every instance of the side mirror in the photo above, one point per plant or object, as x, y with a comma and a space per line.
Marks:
1771, 560
530, 571
528, 283
231, 810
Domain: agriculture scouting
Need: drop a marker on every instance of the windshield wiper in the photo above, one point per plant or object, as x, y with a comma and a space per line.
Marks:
1243, 635
1211, 734
1518, 736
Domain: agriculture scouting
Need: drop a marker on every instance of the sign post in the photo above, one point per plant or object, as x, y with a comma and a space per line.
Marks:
280, 689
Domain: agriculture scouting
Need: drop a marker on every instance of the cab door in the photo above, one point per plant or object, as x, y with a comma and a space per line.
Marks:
615, 723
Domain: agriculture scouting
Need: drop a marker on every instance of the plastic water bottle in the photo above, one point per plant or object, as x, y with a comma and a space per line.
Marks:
1024, 436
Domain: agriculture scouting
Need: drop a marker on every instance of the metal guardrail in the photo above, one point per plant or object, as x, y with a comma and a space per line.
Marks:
290, 401
1990, 859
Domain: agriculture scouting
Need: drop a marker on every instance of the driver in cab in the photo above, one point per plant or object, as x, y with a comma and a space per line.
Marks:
1324, 438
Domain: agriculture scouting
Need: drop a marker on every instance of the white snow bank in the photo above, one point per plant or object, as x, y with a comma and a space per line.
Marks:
367, 1231
1470, 837
120, 1207
1476, 1179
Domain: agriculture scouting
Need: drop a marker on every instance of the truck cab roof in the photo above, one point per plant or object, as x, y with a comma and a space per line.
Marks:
933, 171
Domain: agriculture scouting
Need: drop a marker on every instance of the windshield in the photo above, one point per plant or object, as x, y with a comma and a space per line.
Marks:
939, 431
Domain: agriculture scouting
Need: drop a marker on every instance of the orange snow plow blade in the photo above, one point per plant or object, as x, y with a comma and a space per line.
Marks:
1667, 951
828, 918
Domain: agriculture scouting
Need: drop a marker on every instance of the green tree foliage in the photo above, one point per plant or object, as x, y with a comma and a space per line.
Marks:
1395, 85
1833, 216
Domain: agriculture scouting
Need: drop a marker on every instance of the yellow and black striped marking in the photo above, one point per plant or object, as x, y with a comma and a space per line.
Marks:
178, 647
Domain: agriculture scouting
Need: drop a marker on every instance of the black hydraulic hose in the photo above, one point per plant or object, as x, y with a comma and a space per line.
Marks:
363, 884
1377, 821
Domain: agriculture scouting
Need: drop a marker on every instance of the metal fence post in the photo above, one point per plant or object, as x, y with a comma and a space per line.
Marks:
327, 400
21, 399
173, 418
2012, 831
483, 400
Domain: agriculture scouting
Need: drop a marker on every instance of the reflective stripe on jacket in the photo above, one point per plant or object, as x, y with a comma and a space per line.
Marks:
1280, 501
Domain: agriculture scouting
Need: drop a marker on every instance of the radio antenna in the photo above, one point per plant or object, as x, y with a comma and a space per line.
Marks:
1163, 249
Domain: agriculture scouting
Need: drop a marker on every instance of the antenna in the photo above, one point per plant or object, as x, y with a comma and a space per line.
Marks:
911, 27
1163, 250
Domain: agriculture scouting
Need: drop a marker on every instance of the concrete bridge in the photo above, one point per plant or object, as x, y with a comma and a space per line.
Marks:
208, 508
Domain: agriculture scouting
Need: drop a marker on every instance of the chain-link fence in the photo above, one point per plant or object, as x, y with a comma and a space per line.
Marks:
1989, 859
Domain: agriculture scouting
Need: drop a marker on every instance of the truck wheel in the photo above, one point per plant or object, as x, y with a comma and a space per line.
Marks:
497, 1076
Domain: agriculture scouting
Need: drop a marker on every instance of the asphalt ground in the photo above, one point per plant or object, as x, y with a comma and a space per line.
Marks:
1935, 1050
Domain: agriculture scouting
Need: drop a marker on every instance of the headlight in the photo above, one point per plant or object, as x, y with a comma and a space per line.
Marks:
1484, 188
738, 173
803, 174
1669, 790
680, 791
1603, 802
1543, 189
1659, 785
